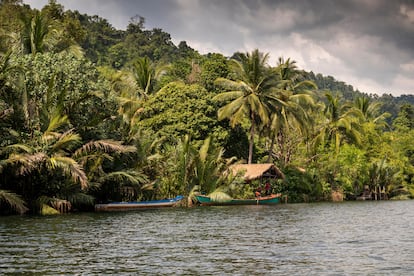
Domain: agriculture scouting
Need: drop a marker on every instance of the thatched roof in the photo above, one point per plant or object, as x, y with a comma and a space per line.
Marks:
255, 171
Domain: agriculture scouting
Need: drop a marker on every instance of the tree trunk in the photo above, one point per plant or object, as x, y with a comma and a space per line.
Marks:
251, 141
281, 145
270, 152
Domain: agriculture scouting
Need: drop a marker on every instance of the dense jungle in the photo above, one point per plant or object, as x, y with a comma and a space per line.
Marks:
89, 113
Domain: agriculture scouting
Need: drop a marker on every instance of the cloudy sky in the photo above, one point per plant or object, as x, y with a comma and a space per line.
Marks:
366, 43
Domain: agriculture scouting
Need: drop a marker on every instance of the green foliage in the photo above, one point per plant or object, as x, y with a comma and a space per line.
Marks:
100, 36
132, 129
81, 96
302, 186
353, 172
214, 67
178, 110
405, 119
329, 83
191, 168
342, 124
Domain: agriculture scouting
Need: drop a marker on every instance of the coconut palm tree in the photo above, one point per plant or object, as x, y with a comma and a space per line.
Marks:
248, 93
343, 122
371, 111
41, 34
124, 88
290, 105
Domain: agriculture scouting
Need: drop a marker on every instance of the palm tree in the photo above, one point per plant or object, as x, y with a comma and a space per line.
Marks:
289, 107
106, 172
249, 93
178, 168
124, 87
146, 74
52, 166
371, 111
40, 34
342, 123
209, 166
49, 152
34, 33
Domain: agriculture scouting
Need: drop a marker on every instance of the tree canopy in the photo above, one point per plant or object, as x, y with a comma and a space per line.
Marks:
89, 113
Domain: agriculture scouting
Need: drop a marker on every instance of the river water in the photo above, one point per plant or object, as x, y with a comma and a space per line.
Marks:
353, 238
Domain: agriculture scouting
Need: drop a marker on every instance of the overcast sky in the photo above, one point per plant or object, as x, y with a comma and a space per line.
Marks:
366, 43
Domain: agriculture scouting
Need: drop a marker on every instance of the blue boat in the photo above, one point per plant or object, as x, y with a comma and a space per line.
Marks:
136, 205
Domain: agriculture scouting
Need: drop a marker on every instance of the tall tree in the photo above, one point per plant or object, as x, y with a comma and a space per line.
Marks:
179, 109
293, 99
371, 111
405, 118
342, 123
249, 92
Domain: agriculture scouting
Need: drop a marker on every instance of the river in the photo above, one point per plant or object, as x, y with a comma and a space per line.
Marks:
351, 238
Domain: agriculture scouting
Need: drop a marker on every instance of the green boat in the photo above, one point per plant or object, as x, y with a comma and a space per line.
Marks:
264, 200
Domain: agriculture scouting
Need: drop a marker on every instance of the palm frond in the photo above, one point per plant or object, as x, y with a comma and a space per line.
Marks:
307, 84
227, 96
108, 146
96, 159
75, 49
80, 199
66, 140
219, 196
203, 152
13, 200
15, 148
231, 108
258, 107
227, 84
70, 167
26, 163
56, 122
148, 186
239, 115
130, 177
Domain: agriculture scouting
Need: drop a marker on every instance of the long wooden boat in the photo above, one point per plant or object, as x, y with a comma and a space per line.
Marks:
127, 206
264, 200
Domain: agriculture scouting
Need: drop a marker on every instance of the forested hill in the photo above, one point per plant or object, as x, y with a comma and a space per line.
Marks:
106, 45
389, 103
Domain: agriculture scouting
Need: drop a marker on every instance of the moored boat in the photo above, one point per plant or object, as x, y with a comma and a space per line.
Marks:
127, 206
264, 200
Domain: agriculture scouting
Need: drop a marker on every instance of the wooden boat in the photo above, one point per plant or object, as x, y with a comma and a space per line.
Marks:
127, 206
264, 200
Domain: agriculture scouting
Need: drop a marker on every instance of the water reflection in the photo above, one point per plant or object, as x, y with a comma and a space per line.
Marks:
314, 239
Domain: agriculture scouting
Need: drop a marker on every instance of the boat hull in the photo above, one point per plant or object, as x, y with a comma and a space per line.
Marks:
128, 206
266, 200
